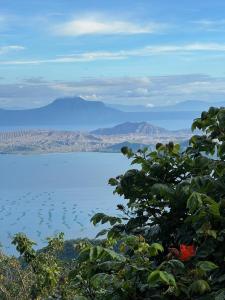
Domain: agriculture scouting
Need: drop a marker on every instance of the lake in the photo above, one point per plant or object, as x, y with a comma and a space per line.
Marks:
42, 195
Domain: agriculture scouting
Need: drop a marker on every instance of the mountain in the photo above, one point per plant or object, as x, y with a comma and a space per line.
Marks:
77, 111
140, 128
189, 105
62, 111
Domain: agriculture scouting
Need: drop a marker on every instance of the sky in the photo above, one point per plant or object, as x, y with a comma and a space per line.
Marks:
147, 52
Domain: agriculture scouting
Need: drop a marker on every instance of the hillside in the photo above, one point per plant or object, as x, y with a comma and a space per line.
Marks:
138, 128
48, 141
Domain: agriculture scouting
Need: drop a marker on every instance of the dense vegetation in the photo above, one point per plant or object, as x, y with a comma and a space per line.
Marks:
167, 244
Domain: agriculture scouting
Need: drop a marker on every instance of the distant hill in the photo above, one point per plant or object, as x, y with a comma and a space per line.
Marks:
140, 128
189, 105
77, 111
62, 111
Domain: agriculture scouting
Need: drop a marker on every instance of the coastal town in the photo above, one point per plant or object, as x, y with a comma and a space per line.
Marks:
62, 141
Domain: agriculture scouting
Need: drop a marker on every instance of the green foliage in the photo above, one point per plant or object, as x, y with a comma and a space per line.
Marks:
169, 242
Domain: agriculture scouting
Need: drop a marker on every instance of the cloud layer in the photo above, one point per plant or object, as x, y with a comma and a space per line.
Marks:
161, 90
211, 25
119, 55
10, 48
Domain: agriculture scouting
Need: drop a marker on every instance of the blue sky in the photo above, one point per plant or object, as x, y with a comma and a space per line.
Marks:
133, 52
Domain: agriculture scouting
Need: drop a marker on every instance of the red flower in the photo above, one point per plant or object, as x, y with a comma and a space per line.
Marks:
187, 252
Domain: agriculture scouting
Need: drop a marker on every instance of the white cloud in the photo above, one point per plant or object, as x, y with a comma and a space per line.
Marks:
150, 105
193, 47
211, 25
10, 48
103, 25
118, 55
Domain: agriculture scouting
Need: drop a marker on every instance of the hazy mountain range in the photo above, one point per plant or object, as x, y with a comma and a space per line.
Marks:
77, 111
190, 105
138, 128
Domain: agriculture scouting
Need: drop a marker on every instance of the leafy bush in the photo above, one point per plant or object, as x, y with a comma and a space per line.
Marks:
168, 242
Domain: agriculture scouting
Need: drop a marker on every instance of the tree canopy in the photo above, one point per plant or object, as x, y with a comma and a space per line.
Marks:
166, 242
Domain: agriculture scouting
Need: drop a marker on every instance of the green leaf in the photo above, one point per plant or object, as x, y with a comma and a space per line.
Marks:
211, 232
102, 232
127, 151
103, 218
97, 218
162, 189
115, 255
101, 279
167, 278
174, 264
176, 148
95, 252
206, 266
194, 202
113, 181
155, 248
161, 276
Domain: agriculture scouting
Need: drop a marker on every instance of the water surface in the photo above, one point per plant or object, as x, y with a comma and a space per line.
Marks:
41, 195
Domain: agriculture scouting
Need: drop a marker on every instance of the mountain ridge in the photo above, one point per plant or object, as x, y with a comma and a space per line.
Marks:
143, 128
77, 111
188, 105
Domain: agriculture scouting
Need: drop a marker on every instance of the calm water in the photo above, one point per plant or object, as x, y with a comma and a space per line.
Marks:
41, 195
